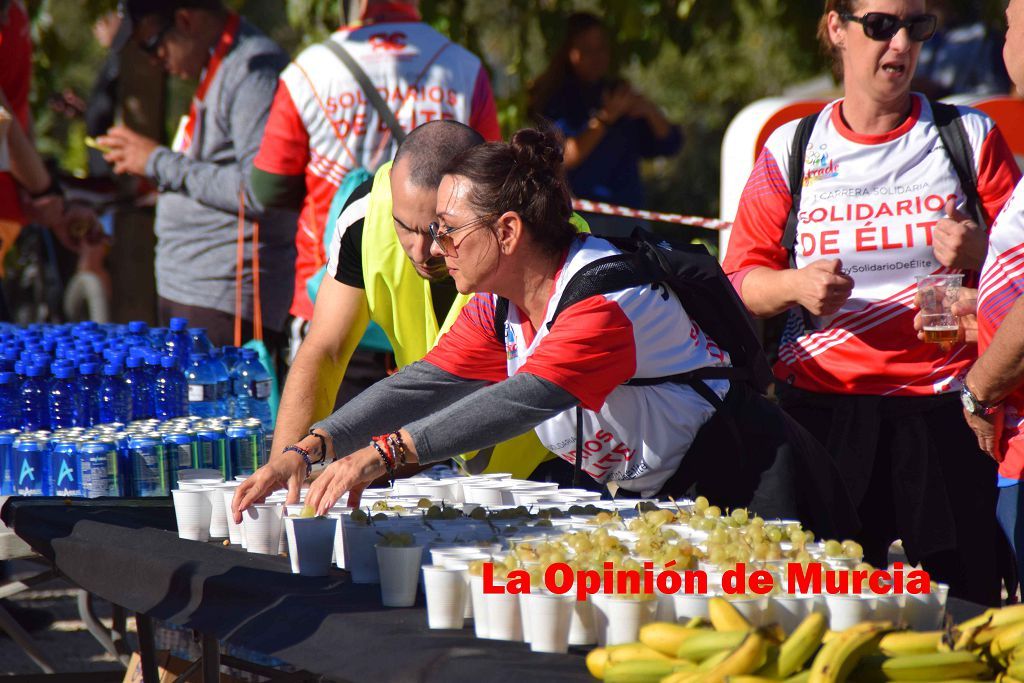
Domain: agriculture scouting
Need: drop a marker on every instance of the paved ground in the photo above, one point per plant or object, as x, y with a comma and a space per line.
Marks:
67, 642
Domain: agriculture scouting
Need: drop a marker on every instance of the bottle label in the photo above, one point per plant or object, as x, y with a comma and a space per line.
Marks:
202, 392
260, 389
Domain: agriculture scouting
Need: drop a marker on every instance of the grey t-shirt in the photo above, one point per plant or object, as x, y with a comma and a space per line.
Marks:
197, 211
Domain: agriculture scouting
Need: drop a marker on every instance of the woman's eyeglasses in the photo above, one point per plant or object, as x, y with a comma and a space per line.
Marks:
152, 44
882, 26
443, 239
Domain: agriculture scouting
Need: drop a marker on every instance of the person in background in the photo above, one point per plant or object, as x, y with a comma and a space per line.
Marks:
322, 126
203, 176
881, 203
609, 126
993, 390
964, 57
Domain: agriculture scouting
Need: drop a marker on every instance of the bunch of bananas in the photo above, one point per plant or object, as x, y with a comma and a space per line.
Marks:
989, 647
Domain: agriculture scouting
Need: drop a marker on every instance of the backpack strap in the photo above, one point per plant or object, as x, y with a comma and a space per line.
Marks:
954, 138
797, 152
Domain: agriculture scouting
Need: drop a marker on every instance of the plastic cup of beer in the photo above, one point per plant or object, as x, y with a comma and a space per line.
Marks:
937, 294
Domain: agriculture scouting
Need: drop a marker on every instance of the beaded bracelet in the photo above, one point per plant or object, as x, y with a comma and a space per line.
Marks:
398, 445
388, 466
323, 446
295, 448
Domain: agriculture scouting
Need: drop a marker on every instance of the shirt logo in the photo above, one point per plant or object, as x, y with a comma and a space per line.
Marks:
818, 165
388, 42
511, 346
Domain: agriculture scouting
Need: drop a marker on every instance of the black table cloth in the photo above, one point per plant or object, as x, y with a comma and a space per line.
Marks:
127, 551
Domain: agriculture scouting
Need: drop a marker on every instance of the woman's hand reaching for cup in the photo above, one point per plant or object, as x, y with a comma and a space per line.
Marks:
966, 311
352, 473
284, 470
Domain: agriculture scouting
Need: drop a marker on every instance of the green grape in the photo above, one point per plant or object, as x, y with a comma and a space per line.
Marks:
701, 504
713, 512
833, 548
740, 515
423, 503
852, 550
774, 534
359, 517
478, 513
380, 517
718, 537
307, 511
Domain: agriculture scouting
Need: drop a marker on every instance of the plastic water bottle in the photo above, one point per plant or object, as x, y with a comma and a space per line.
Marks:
89, 383
139, 330
200, 342
253, 385
139, 388
10, 409
64, 400
115, 399
168, 390
35, 413
204, 397
178, 342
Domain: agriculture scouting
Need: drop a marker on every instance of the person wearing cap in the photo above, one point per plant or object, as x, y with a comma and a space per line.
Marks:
203, 175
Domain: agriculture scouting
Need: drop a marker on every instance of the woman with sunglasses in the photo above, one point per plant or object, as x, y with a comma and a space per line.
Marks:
503, 227
880, 203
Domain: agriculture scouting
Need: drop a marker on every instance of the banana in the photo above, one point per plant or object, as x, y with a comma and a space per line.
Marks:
682, 677
798, 648
713, 661
600, 658
937, 666
1015, 670
966, 638
910, 642
1005, 615
745, 659
665, 637
980, 620
700, 646
639, 671
839, 656
1006, 639
750, 679
801, 677
725, 617
697, 622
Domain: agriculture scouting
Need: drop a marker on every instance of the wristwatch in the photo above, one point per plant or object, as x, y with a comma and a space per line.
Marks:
973, 406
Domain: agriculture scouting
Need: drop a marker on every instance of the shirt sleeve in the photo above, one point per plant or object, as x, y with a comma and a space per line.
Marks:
470, 349
347, 261
997, 174
590, 350
285, 147
483, 116
760, 223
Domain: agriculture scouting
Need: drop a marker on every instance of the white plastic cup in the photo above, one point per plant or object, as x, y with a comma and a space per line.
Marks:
889, 607
926, 612
599, 603
625, 617
234, 530
481, 623
218, 517
524, 615
550, 618
193, 510
263, 524
666, 606
503, 619
845, 611
753, 608
399, 574
790, 610
360, 556
690, 605
447, 594
581, 623
310, 544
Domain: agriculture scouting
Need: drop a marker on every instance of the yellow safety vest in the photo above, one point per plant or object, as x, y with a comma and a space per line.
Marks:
400, 302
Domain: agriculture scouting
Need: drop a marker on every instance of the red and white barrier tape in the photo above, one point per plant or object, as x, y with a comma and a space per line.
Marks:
676, 218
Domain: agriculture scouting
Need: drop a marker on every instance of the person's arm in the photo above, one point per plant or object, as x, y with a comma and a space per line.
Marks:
217, 185
483, 115
340, 318
581, 145
1000, 370
278, 177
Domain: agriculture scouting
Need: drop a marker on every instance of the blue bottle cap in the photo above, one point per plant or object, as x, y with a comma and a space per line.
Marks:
178, 324
63, 371
112, 369
35, 370
7, 377
168, 362
134, 361
137, 327
89, 368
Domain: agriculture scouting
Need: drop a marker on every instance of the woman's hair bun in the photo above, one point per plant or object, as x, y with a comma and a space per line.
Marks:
539, 151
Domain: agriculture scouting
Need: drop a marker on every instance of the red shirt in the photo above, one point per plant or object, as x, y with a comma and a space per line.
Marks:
15, 81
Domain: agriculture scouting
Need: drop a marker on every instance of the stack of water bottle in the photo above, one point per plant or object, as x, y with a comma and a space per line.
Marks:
97, 410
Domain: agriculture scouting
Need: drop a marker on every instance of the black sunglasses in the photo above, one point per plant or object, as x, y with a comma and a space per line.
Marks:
152, 44
882, 26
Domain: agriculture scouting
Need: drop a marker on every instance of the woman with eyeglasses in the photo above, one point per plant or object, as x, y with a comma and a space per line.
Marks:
503, 229
878, 202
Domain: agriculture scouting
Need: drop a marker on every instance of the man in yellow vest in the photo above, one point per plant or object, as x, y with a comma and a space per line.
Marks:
380, 269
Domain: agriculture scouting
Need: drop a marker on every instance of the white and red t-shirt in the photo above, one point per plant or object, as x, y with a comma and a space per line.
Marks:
1002, 283
322, 125
634, 436
871, 201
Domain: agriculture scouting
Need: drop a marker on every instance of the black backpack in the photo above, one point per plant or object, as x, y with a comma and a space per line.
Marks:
954, 138
705, 293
